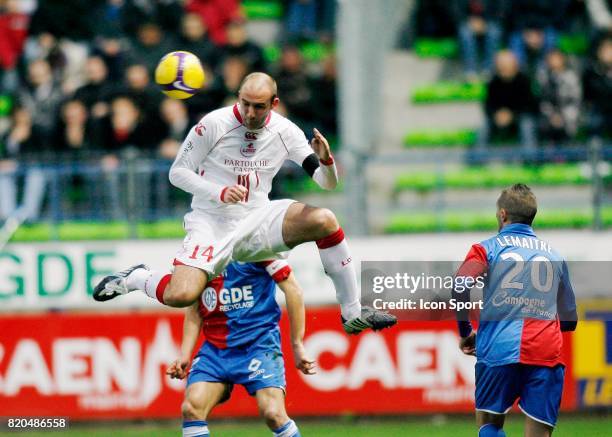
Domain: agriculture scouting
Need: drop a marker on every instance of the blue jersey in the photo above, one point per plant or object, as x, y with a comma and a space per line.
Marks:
527, 293
239, 306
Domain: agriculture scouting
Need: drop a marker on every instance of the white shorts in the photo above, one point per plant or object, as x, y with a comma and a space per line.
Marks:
213, 240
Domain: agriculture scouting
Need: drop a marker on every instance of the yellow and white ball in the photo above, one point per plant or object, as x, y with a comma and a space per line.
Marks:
179, 74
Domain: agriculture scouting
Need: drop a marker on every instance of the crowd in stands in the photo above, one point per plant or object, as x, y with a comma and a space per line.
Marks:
533, 89
76, 77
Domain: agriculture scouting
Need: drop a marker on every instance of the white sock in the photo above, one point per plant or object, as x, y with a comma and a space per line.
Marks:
339, 266
289, 429
149, 282
195, 428
136, 280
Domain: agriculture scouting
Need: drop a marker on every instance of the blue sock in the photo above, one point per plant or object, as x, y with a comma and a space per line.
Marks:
289, 429
490, 430
195, 428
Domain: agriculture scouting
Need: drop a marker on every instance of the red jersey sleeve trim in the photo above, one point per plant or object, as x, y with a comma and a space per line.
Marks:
475, 263
278, 269
223, 194
328, 161
282, 274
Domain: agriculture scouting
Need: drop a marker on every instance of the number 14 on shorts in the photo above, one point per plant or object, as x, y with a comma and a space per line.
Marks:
206, 252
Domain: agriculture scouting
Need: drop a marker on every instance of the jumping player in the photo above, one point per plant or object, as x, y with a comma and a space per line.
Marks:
239, 316
528, 301
227, 162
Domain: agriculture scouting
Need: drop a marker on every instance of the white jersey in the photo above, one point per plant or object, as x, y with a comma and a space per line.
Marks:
220, 152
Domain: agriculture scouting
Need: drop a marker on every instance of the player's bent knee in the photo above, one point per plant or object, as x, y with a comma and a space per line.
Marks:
191, 412
325, 221
180, 297
274, 416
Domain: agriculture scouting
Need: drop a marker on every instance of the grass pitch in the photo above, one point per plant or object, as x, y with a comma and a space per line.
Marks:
438, 426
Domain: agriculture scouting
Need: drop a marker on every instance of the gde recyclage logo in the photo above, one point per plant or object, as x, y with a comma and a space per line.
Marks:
209, 299
228, 299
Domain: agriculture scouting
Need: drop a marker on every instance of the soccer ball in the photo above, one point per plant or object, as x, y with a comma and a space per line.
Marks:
179, 74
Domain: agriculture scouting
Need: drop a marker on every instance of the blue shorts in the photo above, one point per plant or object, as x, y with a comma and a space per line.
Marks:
538, 389
256, 366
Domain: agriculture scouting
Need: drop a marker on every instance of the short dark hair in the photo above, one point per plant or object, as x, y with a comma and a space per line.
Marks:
520, 204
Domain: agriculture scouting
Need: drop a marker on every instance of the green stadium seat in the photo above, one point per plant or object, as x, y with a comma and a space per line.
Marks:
574, 44
438, 138
458, 221
493, 176
448, 48
262, 9
444, 92
436, 47
311, 51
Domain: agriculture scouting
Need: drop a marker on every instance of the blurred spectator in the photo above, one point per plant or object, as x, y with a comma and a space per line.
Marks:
177, 124
300, 20
70, 19
109, 22
216, 15
534, 26
46, 46
74, 133
98, 90
599, 14
41, 98
166, 13
193, 39
234, 69
509, 104
476, 20
597, 86
560, 95
325, 97
208, 98
19, 148
71, 24
14, 30
433, 18
109, 42
294, 86
326, 19
113, 51
142, 91
125, 127
238, 44
150, 46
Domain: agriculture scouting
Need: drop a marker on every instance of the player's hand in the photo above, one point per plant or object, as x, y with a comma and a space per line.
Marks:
178, 369
233, 194
320, 145
302, 362
468, 344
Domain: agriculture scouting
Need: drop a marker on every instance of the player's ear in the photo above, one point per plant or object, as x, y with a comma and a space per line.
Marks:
275, 102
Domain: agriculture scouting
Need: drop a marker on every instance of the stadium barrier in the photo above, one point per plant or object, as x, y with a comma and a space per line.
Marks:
111, 366
61, 275
136, 188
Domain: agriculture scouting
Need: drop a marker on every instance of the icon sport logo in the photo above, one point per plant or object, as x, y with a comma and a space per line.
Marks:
250, 136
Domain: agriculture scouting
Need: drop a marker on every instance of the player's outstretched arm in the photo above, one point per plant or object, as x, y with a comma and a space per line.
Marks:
192, 324
184, 170
295, 309
320, 165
